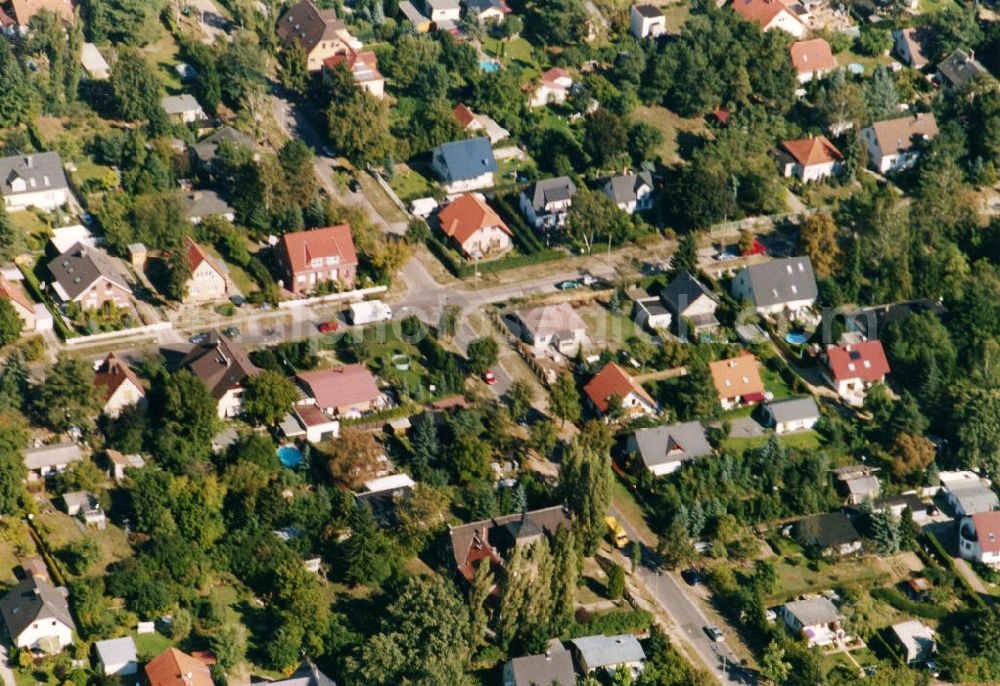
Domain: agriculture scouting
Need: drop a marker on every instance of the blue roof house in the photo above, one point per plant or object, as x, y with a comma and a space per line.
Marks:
465, 165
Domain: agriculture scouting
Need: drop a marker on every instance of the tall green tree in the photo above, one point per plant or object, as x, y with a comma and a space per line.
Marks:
564, 399
12, 470
187, 417
368, 553
585, 481
482, 354
20, 99
268, 397
595, 218
11, 323
135, 87
685, 258
67, 397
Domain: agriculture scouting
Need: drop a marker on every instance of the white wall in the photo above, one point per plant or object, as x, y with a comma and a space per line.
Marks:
48, 200
45, 628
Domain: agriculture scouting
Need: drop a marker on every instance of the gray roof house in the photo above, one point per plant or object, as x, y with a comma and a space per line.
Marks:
308, 674
786, 284
688, 299
205, 150
960, 69
50, 458
36, 180
205, 203
967, 493
608, 652
37, 616
117, 656
917, 640
791, 414
465, 165
183, 108
553, 667
89, 276
663, 449
631, 192
546, 202
816, 618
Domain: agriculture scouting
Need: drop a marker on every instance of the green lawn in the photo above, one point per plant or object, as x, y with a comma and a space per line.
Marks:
677, 15
151, 645
606, 329
164, 53
797, 575
807, 440
29, 222
774, 383
409, 184
677, 131
518, 50
380, 200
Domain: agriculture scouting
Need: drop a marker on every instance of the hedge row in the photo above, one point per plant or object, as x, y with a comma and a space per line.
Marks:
613, 623
462, 268
904, 604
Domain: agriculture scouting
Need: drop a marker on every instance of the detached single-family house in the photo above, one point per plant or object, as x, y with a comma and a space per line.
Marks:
859, 484
206, 203
909, 44
812, 59
894, 144
968, 494
445, 14
647, 21
174, 668
737, 381
37, 616
472, 122
205, 151
979, 538
50, 459
465, 165
608, 653
89, 277
491, 539
791, 414
319, 32
346, 391
363, 65
545, 203
783, 285
815, 618
93, 62
613, 381
831, 534
961, 68
118, 384
475, 227
553, 87
917, 640
664, 449
35, 180
23, 305
488, 11
117, 656
851, 369
690, 302
420, 22
25, 11
631, 192
649, 310
311, 423
787, 15
86, 507
809, 159
209, 279
310, 258
120, 462
552, 326
183, 108
552, 667
382, 496
223, 365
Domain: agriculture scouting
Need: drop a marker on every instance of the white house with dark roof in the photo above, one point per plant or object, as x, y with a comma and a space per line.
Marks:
967, 493
37, 616
647, 21
631, 192
552, 667
50, 459
665, 449
545, 203
689, 300
783, 285
961, 68
466, 165
183, 108
89, 277
791, 414
35, 180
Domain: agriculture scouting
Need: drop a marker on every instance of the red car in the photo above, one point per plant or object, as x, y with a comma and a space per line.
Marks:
328, 327
757, 249
489, 377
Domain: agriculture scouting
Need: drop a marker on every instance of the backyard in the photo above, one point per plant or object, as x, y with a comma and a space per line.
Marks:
605, 329
678, 133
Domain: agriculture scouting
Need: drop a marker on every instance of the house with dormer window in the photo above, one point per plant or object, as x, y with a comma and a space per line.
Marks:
320, 33
36, 180
737, 381
851, 369
785, 285
310, 258
979, 538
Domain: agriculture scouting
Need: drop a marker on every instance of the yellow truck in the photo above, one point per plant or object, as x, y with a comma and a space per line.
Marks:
616, 532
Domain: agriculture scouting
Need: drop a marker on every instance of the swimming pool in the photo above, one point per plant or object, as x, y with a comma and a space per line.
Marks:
489, 66
796, 338
290, 456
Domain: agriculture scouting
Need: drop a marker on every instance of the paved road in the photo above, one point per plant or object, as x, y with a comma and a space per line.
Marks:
6, 675
683, 608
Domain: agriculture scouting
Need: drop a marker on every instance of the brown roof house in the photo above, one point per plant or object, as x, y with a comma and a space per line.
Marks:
812, 59
787, 15
319, 32
25, 10
475, 227
472, 122
89, 277
909, 45
894, 144
23, 305
174, 668
363, 65
223, 366
613, 381
319, 256
119, 386
346, 391
737, 381
809, 159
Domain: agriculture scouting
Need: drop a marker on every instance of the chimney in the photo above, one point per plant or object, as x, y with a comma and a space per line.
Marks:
29, 161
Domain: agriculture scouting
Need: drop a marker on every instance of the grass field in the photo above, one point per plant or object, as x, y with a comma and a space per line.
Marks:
807, 440
676, 131
409, 184
164, 53
382, 203
150, 645
605, 329
797, 575
62, 529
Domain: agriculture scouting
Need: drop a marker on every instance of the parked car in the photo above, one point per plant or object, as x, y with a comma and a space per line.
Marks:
354, 185
237, 300
691, 576
329, 327
198, 338
231, 332
725, 256
567, 285
489, 377
715, 633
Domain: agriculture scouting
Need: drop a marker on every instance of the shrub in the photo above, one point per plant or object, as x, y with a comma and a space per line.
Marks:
904, 604
616, 582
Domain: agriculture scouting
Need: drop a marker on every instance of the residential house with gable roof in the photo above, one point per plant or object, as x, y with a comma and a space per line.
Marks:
961, 68
647, 21
909, 44
472, 122
817, 619
175, 668
23, 305
609, 653
118, 385
613, 381
812, 59
34, 180
209, 279
851, 369
50, 459
488, 11
363, 65
318, 256
689, 300
967, 493
786, 285
737, 381
917, 640
555, 326
979, 538
319, 32
791, 414
894, 144
475, 227
809, 159
349, 390
307, 674
205, 152
665, 449
787, 15
89, 277
552, 88
202, 203
37, 616
546, 203
223, 365
465, 165
831, 534
25, 11
117, 656
183, 108
555, 666
631, 192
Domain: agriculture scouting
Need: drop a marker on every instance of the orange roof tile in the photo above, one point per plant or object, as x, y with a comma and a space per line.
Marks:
112, 373
812, 55
461, 218
174, 668
737, 376
463, 115
10, 290
613, 380
304, 246
761, 12
810, 151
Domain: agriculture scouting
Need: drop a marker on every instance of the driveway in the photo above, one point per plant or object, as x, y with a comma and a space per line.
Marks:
212, 21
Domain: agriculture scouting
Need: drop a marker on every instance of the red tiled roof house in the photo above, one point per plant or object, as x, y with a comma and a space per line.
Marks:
852, 368
346, 391
812, 59
174, 668
787, 15
118, 384
979, 538
612, 381
809, 159
209, 280
475, 227
311, 258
